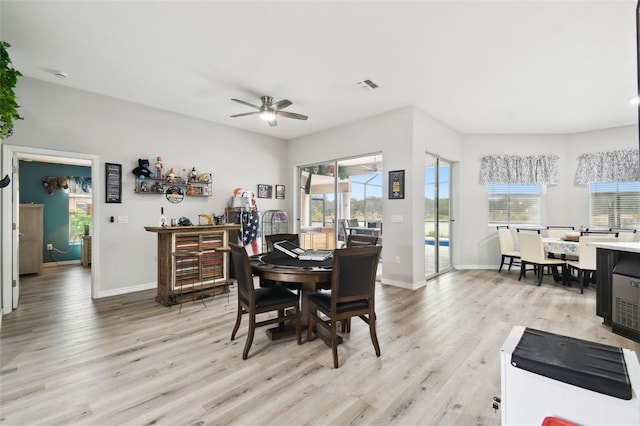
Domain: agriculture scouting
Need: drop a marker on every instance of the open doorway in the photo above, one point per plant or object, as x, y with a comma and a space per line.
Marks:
12, 155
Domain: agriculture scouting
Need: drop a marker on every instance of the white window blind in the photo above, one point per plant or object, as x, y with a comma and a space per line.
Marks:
515, 204
614, 204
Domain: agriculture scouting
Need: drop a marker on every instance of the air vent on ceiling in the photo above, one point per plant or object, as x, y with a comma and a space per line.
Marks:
367, 84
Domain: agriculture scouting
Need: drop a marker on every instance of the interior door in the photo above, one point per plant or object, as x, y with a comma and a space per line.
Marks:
15, 234
437, 219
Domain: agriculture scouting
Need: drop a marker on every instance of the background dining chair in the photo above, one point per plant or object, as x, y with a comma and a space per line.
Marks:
599, 232
585, 266
507, 248
532, 253
361, 240
625, 235
352, 294
274, 238
529, 230
558, 231
254, 301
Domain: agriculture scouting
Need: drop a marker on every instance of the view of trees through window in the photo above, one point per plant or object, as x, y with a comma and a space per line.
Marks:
80, 208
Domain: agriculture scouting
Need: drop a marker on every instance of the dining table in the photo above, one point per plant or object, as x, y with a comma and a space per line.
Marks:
560, 246
307, 275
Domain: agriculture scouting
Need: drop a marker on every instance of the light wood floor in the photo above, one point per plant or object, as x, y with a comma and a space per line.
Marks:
127, 360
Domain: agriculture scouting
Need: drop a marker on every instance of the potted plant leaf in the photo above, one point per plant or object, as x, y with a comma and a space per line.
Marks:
8, 80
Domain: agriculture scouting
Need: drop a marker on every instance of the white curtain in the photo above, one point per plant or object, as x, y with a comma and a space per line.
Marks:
519, 169
611, 166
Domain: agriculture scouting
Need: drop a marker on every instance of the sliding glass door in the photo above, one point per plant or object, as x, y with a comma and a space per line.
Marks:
437, 220
338, 191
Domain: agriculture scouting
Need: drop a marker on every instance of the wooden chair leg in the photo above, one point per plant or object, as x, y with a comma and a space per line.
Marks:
252, 329
540, 274
334, 343
298, 328
372, 332
501, 263
522, 266
311, 323
238, 320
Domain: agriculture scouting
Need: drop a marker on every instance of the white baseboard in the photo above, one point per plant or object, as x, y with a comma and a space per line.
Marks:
61, 262
125, 290
403, 284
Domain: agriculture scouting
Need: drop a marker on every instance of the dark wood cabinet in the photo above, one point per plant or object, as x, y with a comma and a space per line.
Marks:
186, 277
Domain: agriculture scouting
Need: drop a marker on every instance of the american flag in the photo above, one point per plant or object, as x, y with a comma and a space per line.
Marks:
250, 224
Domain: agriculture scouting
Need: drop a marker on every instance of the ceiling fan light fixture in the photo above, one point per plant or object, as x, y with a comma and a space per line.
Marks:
268, 115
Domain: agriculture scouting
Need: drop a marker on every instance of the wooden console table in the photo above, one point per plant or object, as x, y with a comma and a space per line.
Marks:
179, 281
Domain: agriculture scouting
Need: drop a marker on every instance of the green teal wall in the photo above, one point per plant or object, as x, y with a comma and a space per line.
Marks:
56, 205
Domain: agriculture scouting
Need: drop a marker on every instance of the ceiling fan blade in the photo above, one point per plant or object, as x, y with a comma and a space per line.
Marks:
281, 104
246, 103
292, 115
245, 113
273, 123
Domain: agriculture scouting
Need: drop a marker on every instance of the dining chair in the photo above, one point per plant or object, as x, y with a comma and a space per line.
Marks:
274, 238
358, 240
600, 232
255, 301
558, 231
625, 235
585, 266
532, 253
507, 248
352, 294
529, 230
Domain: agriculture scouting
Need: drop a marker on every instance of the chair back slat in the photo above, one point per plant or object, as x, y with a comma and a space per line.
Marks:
505, 238
587, 257
354, 273
531, 248
242, 269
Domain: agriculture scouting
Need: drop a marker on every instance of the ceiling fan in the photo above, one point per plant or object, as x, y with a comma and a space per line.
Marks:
269, 110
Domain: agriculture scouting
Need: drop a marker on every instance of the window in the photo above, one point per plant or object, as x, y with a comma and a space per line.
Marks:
80, 208
515, 204
614, 204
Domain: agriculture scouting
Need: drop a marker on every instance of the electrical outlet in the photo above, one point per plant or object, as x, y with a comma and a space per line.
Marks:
49, 246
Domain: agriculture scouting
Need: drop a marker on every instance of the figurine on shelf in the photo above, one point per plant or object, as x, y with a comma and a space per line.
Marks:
159, 166
171, 176
193, 175
191, 190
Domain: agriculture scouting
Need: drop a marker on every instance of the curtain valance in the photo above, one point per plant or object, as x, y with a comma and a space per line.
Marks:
519, 169
611, 166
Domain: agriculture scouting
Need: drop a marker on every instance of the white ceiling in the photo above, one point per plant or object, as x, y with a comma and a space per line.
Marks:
478, 66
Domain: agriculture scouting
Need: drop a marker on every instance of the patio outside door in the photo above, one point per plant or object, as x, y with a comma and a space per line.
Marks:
437, 221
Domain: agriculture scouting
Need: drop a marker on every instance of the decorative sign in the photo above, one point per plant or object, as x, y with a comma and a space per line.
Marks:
265, 191
174, 194
279, 192
396, 185
113, 174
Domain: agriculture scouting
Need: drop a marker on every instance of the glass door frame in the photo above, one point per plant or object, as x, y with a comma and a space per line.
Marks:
437, 267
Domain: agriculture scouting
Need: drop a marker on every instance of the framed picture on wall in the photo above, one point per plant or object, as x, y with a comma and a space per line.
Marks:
265, 191
396, 185
113, 173
279, 192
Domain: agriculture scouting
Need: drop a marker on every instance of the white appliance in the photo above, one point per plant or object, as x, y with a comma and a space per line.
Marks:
527, 397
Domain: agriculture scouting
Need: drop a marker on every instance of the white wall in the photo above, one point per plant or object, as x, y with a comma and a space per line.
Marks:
59, 118
403, 136
566, 202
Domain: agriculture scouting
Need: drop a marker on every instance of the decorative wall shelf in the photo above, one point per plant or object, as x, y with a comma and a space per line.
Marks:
160, 186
